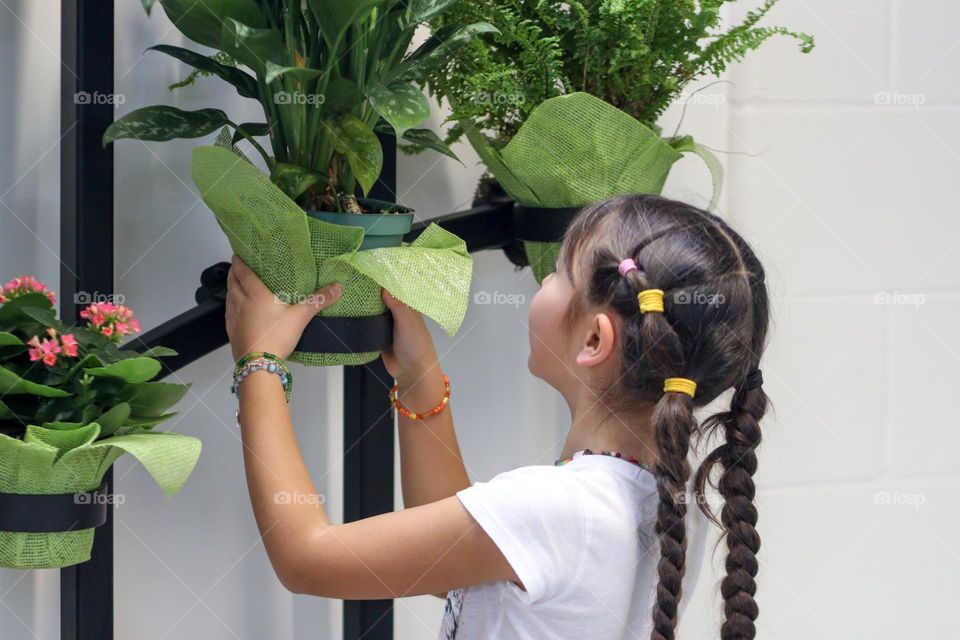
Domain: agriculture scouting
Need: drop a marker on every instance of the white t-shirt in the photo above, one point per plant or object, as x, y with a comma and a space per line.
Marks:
581, 538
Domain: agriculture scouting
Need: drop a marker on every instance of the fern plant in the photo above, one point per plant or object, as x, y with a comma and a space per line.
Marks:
635, 54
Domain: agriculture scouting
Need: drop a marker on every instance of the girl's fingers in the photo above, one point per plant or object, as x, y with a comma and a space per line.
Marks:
248, 279
401, 312
395, 305
322, 298
233, 283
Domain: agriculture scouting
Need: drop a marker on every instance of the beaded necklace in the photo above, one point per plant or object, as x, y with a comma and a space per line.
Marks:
615, 454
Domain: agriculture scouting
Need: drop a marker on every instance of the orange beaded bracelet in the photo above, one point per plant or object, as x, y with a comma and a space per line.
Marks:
420, 416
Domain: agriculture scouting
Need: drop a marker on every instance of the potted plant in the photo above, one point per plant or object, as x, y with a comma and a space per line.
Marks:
72, 403
329, 76
561, 99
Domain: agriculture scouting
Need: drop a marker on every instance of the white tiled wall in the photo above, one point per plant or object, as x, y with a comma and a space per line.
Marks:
847, 194
840, 170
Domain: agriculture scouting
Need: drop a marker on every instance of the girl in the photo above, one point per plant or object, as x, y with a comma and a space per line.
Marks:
655, 309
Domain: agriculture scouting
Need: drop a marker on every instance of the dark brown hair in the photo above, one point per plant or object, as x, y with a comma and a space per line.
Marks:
713, 331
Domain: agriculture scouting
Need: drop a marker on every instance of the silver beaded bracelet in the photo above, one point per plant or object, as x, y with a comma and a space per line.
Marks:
258, 364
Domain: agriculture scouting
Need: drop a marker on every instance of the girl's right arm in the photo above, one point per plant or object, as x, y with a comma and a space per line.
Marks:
431, 467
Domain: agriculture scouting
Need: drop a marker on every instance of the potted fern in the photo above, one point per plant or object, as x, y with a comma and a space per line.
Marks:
73, 402
561, 99
329, 76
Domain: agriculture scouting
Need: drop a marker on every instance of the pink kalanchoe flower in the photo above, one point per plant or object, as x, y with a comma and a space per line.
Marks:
110, 320
22, 285
69, 343
46, 350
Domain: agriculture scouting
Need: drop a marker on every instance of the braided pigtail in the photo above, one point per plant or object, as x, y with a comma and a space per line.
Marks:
673, 425
738, 516
738, 461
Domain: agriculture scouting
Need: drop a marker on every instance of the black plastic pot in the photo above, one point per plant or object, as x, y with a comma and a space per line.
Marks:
53, 512
345, 334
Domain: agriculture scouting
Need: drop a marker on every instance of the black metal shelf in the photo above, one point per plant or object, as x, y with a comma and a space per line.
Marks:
86, 245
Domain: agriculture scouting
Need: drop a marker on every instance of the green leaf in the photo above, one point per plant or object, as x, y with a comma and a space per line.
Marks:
419, 138
429, 140
12, 383
354, 139
293, 180
201, 20
148, 5
245, 84
342, 95
147, 422
252, 129
438, 49
46, 317
158, 352
57, 409
165, 123
8, 339
302, 74
402, 105
113, 419
153, 398
424, 10
13, 310
251, 46
336, 16
90, 412
62, 426
132, 370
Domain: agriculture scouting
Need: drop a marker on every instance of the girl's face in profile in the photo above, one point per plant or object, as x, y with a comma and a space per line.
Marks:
550, 351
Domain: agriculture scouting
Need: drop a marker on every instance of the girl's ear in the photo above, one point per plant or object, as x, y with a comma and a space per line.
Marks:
599, 341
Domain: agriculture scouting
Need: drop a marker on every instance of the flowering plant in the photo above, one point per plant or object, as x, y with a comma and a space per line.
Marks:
64, 377
71, 403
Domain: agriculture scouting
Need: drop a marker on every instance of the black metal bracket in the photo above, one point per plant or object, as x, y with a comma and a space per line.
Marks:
542, 224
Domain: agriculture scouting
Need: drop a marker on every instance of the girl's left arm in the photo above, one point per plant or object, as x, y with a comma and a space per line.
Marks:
430, 548
427, 549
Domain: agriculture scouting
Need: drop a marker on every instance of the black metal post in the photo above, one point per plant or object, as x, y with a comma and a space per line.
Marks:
86, 255
368, 446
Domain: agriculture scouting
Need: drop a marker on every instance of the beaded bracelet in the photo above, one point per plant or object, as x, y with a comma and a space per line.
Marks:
256, 361
402, 410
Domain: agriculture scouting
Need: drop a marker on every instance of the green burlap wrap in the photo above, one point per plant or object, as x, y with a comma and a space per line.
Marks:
67, 461
294, 255
577, 149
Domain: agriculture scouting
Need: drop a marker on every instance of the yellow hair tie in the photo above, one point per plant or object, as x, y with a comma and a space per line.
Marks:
684, 385
650, 300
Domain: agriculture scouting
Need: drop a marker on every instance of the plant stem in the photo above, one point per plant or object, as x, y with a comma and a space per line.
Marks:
263, 153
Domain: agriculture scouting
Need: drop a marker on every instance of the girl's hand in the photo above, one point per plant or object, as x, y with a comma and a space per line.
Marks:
412, 353
258, 320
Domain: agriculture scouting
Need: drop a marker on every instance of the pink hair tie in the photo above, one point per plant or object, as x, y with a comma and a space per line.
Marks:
627, 265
